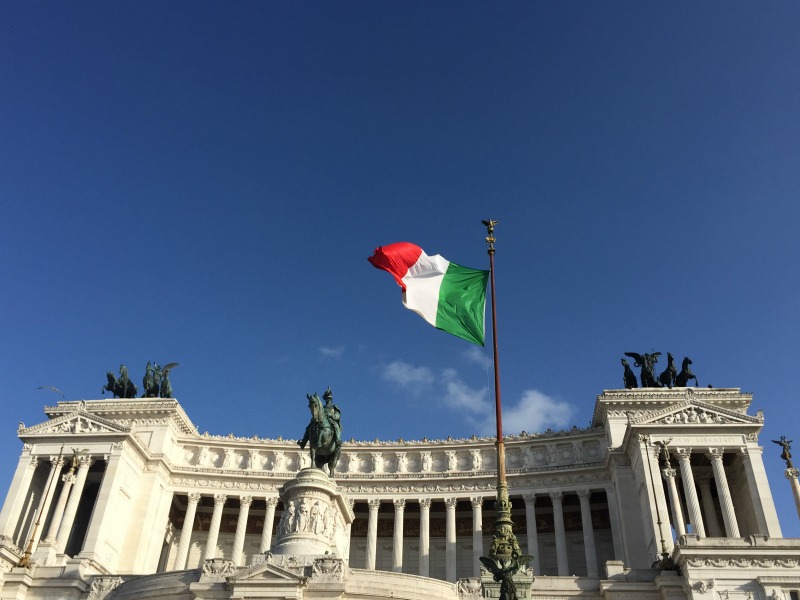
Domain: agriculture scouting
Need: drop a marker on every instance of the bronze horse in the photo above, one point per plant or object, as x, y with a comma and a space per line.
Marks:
321, 437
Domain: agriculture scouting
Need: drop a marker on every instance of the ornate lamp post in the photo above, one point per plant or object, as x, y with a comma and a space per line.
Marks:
504, 558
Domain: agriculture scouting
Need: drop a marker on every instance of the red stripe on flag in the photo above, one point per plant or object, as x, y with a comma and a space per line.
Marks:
397, 259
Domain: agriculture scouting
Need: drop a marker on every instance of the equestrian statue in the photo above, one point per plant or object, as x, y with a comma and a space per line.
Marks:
122, 387
324, 431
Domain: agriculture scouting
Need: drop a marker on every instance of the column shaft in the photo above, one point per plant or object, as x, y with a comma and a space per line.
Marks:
477, 535
728, 513
105, 522
72, 504
424, 536
588, 534
675, 502
709, 510
616, 529
760, 493
450, 539
15, 501
397, 545
186, 532
241, 530
372, 534
561, 537
533, 534
213, 528
56, 465
269, 522
791, 474
690, 491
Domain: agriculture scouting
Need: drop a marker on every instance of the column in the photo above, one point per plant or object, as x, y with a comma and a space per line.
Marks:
15, 501
791, 474
68, 480
588, 534
372, 534
477, 534
674, 501
105, 521
724, 492
186, 532
561, 537
658, 503
397, 546
269, 522
424, 536
56, 464
760, 492
241, 529
709, 510
68, 519
616, 529
213, 528
533, 534
450, 539
689, 489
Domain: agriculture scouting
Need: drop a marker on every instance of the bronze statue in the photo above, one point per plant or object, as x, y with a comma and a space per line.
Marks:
686, 375
786, 454
150, 382
122, 387
648, 363
166, 387
324, 432
503, 571
628, 378
667, 376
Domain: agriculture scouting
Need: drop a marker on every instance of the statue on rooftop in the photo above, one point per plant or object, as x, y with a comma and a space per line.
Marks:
628, 378
151, 381
166, 387
324, 431
121, 387
668, 375
648, 363
686, 375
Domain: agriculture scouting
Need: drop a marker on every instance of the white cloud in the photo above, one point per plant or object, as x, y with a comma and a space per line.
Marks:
459, 395
536, 411
407, 376
478, 356
331, 352
533, 412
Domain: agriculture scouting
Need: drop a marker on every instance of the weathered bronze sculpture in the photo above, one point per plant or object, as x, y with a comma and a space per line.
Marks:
628, 378
648, 363
787, 447
503, 571
122, 387
668, 375
150, 381
686, 375
166, 387
324, 431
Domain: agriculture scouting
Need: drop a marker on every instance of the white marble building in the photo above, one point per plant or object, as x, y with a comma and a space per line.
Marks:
175, 514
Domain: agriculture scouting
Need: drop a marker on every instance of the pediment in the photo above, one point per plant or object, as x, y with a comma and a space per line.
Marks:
278, 568
693, 412
80, 422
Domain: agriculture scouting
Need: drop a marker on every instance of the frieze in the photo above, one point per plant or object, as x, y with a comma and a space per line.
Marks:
692, 412
101, 586
742, 562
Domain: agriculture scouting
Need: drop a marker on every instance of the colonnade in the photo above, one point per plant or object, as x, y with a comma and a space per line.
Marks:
454, 540
697, 512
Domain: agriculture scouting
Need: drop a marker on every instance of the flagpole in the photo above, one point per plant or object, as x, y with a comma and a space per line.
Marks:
505, 548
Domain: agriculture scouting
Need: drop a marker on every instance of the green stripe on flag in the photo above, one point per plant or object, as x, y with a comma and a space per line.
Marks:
462, 303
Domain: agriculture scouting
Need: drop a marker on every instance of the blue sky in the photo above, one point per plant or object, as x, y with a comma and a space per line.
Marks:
203, 183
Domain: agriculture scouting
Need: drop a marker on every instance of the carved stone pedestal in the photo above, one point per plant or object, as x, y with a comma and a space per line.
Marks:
316, 514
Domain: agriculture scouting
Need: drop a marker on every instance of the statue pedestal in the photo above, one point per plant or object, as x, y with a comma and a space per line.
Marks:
315, 518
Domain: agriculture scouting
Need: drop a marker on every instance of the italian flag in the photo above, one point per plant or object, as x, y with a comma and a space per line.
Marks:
448, 296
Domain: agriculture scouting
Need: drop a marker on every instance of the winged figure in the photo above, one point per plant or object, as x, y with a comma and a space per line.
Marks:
503, 571
648, 363
787, 447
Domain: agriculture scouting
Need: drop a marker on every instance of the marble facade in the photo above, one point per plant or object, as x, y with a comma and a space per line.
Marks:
152, 497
